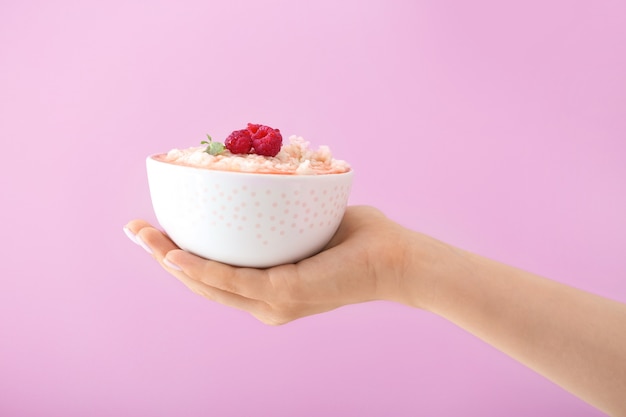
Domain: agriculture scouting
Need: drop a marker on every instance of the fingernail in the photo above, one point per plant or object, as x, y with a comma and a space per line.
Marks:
130, 234
171, 265
141, 243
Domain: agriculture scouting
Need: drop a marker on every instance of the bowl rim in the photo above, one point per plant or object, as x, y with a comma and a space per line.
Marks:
151, 158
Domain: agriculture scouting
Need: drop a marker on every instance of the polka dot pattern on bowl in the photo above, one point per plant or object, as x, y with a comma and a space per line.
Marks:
265, 213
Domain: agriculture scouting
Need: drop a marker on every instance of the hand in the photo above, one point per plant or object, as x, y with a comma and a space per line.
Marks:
364, 261
572, 337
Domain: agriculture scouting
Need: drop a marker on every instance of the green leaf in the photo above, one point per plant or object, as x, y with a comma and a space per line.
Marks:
213, 148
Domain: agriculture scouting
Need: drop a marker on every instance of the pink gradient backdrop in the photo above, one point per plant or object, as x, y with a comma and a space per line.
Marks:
498, 127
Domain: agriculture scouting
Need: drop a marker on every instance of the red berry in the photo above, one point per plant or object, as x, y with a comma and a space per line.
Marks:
238, 142
252, 128
265, 140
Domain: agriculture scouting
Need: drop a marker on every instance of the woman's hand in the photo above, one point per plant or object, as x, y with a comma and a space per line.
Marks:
574, 338
364, 261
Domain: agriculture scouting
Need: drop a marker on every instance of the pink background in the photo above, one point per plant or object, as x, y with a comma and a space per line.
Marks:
498, 127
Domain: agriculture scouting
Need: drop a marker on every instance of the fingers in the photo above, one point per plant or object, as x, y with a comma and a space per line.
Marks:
255, 307
246, 282
248, 289
235, 287
136, 225
275, 295
152, 240
157, 241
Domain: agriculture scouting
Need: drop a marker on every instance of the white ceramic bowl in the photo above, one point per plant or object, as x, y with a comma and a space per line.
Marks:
247, 219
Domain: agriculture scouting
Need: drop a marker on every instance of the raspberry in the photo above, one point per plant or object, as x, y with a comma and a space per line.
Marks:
238, 142
265, 140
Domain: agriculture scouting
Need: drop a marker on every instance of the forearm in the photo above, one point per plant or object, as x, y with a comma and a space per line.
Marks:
576, 339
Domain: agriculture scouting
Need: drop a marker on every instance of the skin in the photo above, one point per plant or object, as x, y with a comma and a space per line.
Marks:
574, 338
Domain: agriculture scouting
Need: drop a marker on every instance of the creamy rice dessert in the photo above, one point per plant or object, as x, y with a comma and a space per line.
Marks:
294, 158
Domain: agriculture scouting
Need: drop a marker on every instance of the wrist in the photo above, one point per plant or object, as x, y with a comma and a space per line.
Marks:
426, 265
